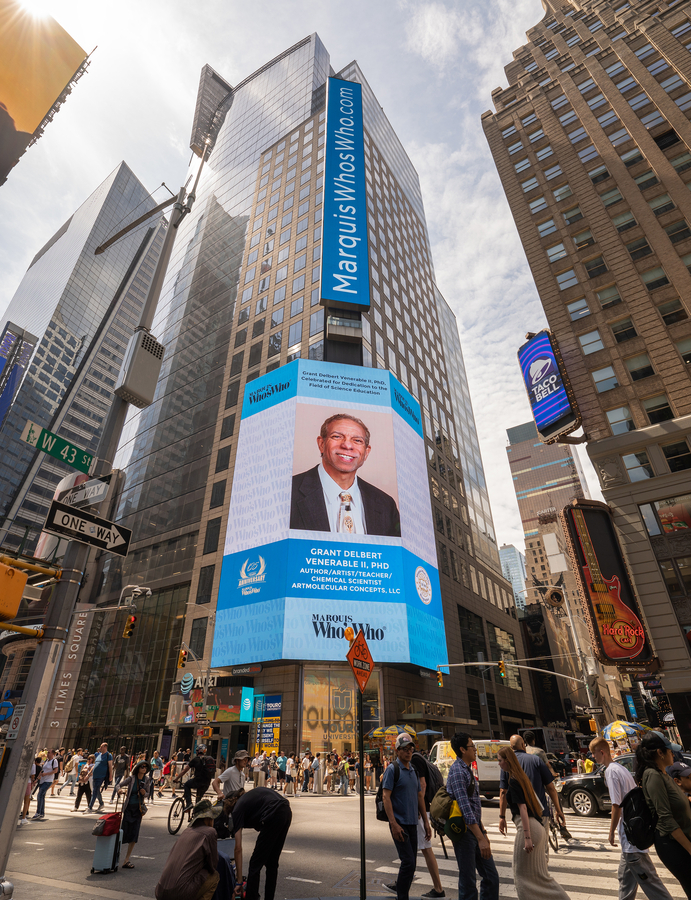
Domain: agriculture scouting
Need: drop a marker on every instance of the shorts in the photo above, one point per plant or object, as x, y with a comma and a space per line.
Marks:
281, 775
422, 843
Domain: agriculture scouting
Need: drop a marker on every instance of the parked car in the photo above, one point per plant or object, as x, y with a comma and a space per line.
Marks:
587, 795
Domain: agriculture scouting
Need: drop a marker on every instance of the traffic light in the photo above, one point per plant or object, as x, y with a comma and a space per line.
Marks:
502, 669
593, 725
182, 659
129, 626
440, 679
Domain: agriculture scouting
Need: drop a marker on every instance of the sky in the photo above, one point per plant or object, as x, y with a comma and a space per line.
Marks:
432, 66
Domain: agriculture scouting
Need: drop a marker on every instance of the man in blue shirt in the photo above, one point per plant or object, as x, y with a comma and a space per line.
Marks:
103, 772
403, 802
473, 852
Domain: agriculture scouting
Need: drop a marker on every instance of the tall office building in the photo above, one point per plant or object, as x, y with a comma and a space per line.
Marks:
591, 140
242, 299
513, 567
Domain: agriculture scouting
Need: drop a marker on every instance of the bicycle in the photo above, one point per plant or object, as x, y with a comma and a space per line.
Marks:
554, 831
177, 811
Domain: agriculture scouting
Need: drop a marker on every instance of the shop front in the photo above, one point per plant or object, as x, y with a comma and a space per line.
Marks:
329, 709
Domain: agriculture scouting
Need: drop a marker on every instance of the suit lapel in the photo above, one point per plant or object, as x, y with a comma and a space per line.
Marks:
311, 503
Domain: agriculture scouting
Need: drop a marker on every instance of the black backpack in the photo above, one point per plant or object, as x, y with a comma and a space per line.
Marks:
210, 766
379, 799
639, 819
433, 779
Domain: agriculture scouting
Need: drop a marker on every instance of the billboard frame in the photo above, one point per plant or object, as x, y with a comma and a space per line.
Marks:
570, 426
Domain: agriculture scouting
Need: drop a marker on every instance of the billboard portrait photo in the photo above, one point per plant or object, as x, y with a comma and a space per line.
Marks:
335, 529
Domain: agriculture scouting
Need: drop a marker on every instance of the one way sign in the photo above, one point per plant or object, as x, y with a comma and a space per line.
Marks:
83, 526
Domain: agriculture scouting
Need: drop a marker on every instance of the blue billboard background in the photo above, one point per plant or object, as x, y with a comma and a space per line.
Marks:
290, 594
543, 382
345, 267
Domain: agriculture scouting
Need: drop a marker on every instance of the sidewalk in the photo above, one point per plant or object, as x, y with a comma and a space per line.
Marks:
34, 887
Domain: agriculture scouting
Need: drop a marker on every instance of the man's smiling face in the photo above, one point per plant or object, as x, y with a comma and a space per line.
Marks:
344, 449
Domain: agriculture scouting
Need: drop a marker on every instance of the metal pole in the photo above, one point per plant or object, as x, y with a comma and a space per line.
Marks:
579, 651
481, 658
361, 755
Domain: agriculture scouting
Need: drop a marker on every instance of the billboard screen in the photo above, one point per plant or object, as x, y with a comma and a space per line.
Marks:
345, 265
16, 348
554, 409
330, 523
617, 631
38, 59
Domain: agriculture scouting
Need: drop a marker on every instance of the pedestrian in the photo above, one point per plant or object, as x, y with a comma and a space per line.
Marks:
60, 757
368, 773
203, 768
255, 766
404, 803
673, 830
424, 844
84, 782
329, 772
233, 779
156, 774
102, 774
190, 873
269, 814
636, 869
135, 787
473, 850
530, 873
342, 772
542, 782
121, 767
532, 749
306, 764
273, 770
290, 774
681, 773
282, 760
46, 777
71, 772
24, 816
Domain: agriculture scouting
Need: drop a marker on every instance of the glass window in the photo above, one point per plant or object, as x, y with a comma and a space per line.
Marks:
684, 569
631, 157
502, 646
566, 279
537, 204
591, 342
297, 306
206, 583
661, 204
544, 152
682, 163
233, 392
595, 267
529, 185
227, 427
620, 420
678, 231
609, 198
658, 409
198, 636
577, 135
638, 466
639, 366
555, 252
298, 284
294, 334
562, 192
624, 221
528, 120
639, 248
472, 635
213, 532
275, 343
678, 456
515, 147
277, 317
646, 180
598, 174
572, 215
684, 348
672, 311
583, 239
623, 331
255, 355
546, 228
553, 172
522, 165
654, 278
605, 379
223, 459
578, 309
608, 118
507, 132
669, 573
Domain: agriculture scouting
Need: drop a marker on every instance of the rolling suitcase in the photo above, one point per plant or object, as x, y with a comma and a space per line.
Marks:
107, 850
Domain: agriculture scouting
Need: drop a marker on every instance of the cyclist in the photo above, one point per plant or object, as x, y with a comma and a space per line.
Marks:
203, 768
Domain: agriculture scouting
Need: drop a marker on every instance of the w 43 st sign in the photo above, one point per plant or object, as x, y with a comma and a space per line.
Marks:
56, 446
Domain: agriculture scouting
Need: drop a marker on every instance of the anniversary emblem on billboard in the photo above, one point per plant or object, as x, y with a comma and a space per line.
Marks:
551, 399
610, 605
333, 527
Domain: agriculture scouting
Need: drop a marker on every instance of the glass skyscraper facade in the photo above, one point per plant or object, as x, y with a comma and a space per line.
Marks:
242, 298
513, 567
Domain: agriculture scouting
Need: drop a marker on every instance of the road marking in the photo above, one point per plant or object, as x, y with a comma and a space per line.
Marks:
142, 857
357, 859
35, 843
306, 880
282, 851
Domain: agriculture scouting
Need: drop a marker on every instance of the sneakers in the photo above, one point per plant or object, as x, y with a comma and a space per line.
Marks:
392, 887
101, 807
23, 821
36, 816
430, 895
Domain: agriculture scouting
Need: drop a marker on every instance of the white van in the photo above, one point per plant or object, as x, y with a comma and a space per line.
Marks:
486, 765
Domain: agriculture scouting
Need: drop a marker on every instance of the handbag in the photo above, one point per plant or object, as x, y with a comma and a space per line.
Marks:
143, 808
456, 825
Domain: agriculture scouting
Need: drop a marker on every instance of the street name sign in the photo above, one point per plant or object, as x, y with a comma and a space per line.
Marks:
80, 525
360, 660
54, 445
87, 493
594, 710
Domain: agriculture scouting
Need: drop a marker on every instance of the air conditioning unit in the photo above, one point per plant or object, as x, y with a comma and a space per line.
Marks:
141, 367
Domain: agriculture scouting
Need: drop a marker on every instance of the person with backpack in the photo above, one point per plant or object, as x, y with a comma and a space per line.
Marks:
473, 851
121, 768
431, 780
636, 869
667, 802
342, 772
203, 769
404, 803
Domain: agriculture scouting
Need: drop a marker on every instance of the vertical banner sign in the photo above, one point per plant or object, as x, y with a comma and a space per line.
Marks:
554, 408
610, 605
334, 531
345, 267
15, 353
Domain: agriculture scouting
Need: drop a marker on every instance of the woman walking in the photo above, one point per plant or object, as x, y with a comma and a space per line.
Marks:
136, 788
83, 785
666, 798
533, 881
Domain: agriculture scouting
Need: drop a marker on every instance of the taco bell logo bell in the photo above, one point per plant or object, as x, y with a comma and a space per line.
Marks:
539, 369
252, 573
543, 379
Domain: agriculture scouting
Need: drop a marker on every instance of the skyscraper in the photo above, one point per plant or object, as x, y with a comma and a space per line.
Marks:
591, 140
513, 567
242, 299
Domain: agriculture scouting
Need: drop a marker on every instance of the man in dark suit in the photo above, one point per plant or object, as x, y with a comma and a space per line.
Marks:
331, 496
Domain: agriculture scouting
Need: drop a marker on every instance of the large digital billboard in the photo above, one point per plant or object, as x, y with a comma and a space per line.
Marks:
38, 59
553, 405
345, 263
617, 630
16, 348
330, 523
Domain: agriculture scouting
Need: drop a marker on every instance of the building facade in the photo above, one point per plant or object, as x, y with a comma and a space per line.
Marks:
513, 567
591, 140
241, 299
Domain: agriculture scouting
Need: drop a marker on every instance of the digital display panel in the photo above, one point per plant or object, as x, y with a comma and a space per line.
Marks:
331, 524
345, 264
16, 348
554, 412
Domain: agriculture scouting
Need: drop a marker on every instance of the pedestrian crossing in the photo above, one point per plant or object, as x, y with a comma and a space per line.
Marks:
585, 867
61, 806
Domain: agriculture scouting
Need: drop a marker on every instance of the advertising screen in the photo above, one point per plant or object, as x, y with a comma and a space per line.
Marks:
330, 523
37, 61
554, 411
618, 633
16, 347
345, 266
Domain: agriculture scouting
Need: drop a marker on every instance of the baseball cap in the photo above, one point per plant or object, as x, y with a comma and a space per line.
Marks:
668, 744
403, 740
679, 770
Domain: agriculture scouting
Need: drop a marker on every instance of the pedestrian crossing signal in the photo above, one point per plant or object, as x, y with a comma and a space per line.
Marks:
440, 679
182, 659
502, 670
129, 626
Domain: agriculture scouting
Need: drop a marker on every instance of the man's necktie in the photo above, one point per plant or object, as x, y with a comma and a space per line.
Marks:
346, 522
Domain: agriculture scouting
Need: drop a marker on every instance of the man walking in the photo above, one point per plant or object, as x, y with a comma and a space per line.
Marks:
48, 771
71, 768
121, 767
306, 764
473, 851
635, 866
540, 778
102, 772
233, 779
404, 802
